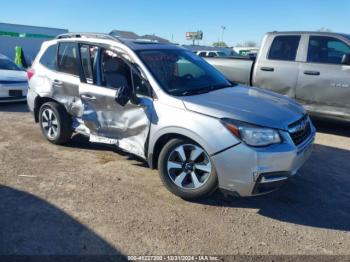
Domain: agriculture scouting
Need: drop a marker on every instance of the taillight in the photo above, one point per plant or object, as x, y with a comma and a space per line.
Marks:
30, 73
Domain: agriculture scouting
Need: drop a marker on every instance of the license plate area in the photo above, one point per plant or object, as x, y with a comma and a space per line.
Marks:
15, 93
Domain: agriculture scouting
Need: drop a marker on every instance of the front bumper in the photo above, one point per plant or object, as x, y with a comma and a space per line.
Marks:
9, 92
248, 171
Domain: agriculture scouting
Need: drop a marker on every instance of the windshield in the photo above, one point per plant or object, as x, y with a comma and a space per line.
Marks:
347, 36
6, 64
180, 72
221, 54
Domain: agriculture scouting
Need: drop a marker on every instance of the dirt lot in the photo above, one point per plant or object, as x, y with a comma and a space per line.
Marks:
92, 199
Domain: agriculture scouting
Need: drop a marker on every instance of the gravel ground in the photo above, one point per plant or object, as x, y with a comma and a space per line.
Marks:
91, 199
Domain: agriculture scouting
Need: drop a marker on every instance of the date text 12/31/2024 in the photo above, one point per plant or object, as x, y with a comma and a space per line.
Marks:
173, 258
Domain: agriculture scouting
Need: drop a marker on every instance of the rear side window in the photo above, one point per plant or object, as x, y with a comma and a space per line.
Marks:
328, 50
284, 48
212, 54
203, 54
49, 58
67, 58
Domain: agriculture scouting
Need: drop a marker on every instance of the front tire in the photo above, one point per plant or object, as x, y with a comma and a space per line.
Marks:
55, 123
186, 169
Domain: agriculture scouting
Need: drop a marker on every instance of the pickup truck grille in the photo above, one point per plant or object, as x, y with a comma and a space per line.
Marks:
300, 130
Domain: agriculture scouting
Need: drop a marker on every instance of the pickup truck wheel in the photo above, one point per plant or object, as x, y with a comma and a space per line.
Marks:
55, 123
187, 170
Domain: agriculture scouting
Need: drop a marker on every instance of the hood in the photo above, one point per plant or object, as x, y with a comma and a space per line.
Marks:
13, 75
247, 104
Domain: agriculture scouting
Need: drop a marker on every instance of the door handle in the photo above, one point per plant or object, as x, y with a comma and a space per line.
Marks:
57, 82
312, 73
268, 69
88, 97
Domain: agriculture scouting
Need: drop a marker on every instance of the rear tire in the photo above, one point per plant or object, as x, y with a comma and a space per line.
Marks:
187, 170
55, 123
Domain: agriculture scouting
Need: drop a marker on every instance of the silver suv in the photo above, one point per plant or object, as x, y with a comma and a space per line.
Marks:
170, 107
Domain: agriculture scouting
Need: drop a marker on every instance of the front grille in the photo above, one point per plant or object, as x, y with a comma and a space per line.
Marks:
300, 130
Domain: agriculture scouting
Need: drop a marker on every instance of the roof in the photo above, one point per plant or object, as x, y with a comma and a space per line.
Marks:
155, 38
146, 45
124, 34
309, 32
31, 29
133, 44
132, 35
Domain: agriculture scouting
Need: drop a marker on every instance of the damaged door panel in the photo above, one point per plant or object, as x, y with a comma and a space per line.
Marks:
109, 122
110, 111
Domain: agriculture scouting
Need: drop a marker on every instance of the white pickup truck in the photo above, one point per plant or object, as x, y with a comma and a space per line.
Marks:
312, 67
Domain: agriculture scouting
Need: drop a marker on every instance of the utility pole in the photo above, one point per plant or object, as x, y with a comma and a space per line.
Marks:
223, 28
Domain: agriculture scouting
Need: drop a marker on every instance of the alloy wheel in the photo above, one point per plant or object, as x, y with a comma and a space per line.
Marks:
49, 123
189, 166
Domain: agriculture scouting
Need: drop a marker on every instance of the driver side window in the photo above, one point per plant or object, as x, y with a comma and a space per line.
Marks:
115, 73
140, 86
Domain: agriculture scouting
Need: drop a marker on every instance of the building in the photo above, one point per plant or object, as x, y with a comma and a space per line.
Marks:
29, 38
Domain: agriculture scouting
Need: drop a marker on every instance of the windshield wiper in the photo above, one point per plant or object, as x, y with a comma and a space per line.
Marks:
195, 92
220, 87
203, 90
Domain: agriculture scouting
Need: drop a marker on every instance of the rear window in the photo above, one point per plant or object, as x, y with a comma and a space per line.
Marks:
284, 48
49, 58
67, 58
6, 64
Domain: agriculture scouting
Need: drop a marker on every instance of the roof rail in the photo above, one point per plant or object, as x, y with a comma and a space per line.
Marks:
88, 35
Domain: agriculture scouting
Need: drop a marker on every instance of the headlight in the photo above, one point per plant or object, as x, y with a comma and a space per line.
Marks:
252, 135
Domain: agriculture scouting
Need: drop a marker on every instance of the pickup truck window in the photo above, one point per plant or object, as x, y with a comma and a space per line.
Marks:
284, 48
327, 50
180, 72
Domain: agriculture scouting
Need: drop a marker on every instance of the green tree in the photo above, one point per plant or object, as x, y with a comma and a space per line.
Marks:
220, 44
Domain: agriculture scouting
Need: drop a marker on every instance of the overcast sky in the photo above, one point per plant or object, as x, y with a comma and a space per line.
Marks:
244, 20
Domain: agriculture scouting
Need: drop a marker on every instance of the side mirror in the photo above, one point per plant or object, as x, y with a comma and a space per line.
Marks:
346, 59
123, 95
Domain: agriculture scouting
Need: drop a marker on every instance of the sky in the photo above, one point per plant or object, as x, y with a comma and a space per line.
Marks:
171, 19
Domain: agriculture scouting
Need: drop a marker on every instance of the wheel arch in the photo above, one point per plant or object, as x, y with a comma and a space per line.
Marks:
165, 136
38, 102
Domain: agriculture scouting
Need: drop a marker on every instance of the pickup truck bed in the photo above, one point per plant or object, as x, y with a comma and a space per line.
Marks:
236, 69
